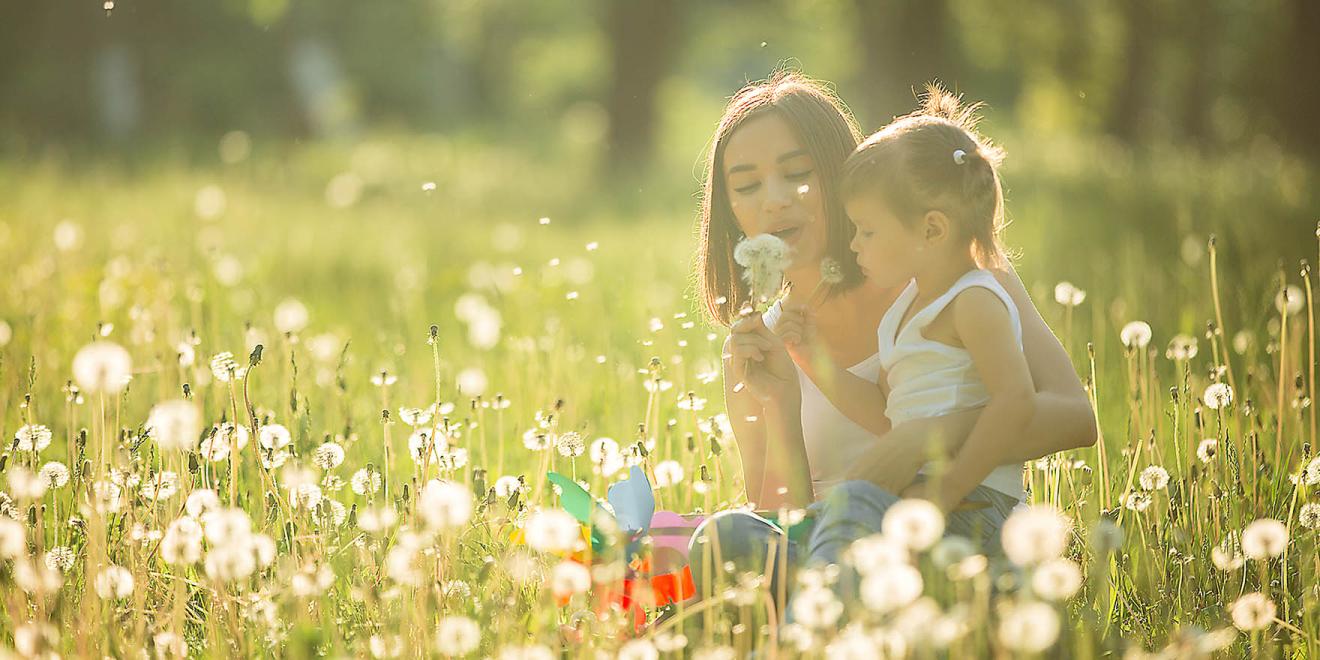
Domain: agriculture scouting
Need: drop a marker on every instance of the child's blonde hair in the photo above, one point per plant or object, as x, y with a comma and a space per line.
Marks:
934, 159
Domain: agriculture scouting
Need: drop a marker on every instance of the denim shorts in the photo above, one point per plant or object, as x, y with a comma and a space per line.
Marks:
742, 540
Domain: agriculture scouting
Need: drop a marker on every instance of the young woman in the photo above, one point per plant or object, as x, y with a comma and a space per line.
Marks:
774, 167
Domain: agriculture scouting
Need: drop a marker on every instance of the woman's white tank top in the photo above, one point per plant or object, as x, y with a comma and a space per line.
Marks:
833, 441
928, 378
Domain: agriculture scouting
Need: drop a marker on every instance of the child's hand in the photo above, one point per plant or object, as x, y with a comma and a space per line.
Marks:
797, 328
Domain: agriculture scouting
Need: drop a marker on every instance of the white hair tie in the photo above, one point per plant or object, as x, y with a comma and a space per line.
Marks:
960, 156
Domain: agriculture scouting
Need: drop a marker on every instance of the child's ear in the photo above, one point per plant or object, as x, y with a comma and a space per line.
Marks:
935, 227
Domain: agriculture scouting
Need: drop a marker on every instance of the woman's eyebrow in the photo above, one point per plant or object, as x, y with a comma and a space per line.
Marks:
745, 167
791, 155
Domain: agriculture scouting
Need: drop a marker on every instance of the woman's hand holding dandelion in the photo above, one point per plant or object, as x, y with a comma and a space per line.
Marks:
757, 358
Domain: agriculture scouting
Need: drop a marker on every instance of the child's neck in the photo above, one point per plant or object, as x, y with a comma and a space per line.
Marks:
940, 274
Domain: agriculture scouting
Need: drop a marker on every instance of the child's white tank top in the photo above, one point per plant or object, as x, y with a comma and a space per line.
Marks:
833, 442
928, 378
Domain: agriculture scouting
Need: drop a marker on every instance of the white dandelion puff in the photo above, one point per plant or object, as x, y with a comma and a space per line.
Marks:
891, 588
916, 523
1068, 295
668, 473
1035, 534
457, 636
570, 444
1218, 395
1029, 627
102, 366
328, 456
1253, 611
552, 531
1181, 347
1154, 477
32, 437
763, 259
1056, 579
1264, 539
445, 505
114, 582
175, 424
1207, 450
1135, 334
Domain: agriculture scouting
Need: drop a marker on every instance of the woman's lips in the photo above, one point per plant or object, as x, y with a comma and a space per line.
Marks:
789, 235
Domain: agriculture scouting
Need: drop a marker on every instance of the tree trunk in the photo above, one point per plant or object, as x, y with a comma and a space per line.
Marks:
1129, 106
644, 36
905, 44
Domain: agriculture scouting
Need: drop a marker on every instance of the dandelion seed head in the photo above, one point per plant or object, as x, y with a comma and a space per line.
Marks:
1264, 539
1056, 579
1226, 556
1181, 347
1312, 472
32, 437
328, 456
114, 582
60, 558
1035, 534
1135, 334
1068, 295
1030, 627
1309, 516
1207, 450
445, 505
570, 444
918, 524
13, 538
668, 473
1253, 611
763, 259
569, 578
1290, 299
175, 424
457, 636
291, 316
365, 481
552, 531
816, 607
1218, 395
891, 587
102, 366
1154, 477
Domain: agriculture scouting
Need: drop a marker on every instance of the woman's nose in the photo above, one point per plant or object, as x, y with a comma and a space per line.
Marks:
778, 195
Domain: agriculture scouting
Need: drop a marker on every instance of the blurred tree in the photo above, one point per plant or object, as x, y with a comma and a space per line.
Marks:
643, 36
905, 44
1299, 93
1130, 97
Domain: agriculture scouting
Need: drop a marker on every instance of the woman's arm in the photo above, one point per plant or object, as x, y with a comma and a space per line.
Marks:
1063, 419
766, 416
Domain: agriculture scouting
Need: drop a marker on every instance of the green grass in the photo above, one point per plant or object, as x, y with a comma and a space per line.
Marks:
577, 342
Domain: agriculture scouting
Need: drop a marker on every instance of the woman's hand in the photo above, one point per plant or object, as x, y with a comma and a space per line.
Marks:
757, 358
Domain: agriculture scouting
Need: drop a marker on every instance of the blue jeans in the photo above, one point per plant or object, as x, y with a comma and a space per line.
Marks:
849, 511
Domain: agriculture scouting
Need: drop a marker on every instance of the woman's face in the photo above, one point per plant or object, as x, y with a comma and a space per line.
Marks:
774, 188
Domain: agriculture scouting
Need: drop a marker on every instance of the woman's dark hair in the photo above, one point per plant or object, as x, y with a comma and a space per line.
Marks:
934, 159
826, 131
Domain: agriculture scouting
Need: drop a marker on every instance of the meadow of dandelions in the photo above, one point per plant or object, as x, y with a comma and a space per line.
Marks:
196, 465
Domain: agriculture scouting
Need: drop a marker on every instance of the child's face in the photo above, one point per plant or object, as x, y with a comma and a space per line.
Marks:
773, 188
888, 251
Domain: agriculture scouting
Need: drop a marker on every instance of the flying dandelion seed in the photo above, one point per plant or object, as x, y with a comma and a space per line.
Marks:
428, 187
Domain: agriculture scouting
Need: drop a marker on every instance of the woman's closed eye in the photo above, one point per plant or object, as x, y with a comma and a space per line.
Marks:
798, 176
748, 188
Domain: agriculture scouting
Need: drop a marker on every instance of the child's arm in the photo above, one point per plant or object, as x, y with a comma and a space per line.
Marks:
857, 398
985, 328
